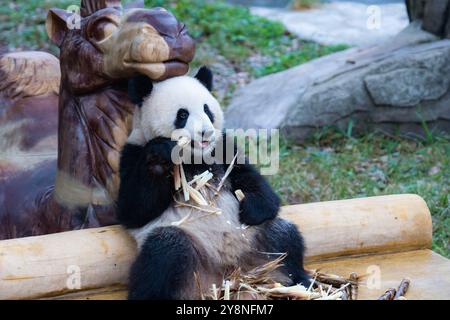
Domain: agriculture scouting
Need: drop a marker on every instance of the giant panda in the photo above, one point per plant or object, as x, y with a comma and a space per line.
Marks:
170, 254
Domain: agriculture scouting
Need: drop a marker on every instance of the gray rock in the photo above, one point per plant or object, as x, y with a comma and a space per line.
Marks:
394, 86
406, 87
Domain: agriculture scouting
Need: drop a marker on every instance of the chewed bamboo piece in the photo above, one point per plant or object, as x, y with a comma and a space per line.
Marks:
196, 196
227, 172
239, 195
177, 177
198, 177
184, 184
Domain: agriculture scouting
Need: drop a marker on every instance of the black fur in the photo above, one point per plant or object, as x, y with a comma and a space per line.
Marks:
181, 119
164, 267
281, 236
139, 87
260, 203
205, 76
208, 113
146, 183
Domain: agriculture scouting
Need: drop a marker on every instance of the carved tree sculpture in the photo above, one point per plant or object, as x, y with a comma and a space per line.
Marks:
94, 115
29, 88
434, 14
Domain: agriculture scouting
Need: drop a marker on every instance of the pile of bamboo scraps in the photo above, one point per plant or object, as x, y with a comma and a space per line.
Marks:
258, 284
199, 193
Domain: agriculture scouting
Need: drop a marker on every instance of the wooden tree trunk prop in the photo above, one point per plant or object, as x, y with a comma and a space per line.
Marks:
391, 234
434, 14
77, 190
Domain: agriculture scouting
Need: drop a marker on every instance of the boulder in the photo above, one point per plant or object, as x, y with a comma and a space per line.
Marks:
397, 86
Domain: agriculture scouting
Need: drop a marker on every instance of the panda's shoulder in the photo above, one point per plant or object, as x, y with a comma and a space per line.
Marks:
130, 155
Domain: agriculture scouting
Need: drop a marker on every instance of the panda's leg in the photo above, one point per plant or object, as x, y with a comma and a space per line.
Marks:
165, 266
281, 236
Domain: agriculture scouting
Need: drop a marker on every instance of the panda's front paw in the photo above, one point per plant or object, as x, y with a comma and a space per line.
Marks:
159, 154
254, 211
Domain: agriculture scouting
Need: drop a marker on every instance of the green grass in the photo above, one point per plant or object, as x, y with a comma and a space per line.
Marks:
335, 166
22, 24
236, 34
305, 53
232, 30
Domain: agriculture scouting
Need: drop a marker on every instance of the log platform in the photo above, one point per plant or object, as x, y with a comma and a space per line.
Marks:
383, 238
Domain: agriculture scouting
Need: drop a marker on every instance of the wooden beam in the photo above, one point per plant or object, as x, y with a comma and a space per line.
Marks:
43, 266
49, 265
362, 226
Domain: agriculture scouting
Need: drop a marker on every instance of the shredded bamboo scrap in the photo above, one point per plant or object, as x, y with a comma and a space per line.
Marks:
194, 192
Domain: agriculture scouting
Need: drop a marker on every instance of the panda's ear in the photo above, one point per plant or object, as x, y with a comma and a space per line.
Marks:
205, 76
139, 87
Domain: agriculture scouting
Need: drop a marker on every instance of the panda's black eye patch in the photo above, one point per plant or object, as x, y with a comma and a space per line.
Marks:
182, 116
208, 113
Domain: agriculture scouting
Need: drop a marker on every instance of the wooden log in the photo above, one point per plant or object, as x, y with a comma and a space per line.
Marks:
42, 266
362, 226
402, 289
389, 294
49, 265
436, 16
415, 9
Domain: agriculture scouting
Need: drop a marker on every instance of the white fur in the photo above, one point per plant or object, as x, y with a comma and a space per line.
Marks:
159, 110
221, 236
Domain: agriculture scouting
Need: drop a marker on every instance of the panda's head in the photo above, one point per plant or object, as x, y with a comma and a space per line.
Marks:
181, 104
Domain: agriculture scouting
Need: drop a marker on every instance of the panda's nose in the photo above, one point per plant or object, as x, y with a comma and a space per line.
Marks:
207, 134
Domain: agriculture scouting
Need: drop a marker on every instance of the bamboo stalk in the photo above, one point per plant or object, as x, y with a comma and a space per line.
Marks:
196, 196
297, 291
402, 289
354, 286
336, 295
184, 184
183, 220
227, 173
176, 177
202, 182
239, 195
388, 295
214, 292
207, 209
198, 177
333, 279
226, 295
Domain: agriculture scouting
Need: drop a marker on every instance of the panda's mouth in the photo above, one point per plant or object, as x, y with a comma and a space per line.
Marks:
203, 144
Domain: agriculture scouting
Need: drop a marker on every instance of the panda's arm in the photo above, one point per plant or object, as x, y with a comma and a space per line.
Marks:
260, 202
146, 183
